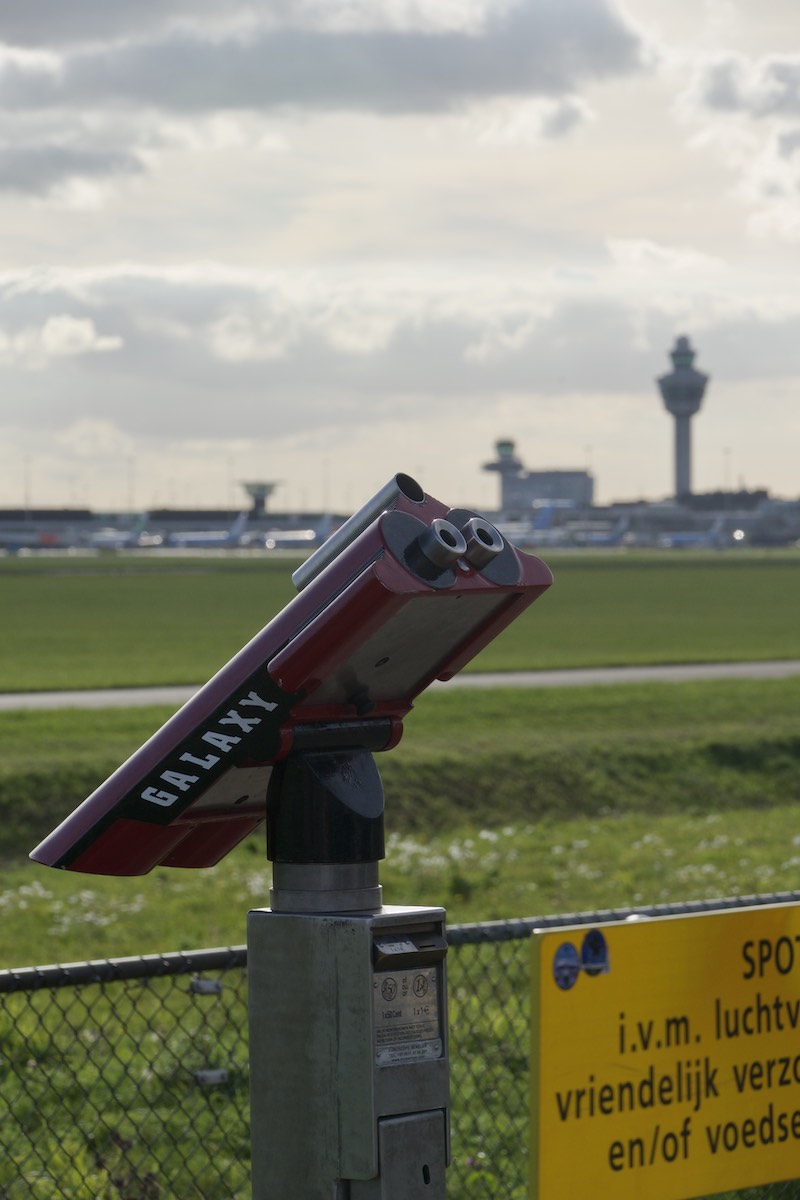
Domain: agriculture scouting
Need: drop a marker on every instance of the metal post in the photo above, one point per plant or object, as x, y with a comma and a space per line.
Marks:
348, 1004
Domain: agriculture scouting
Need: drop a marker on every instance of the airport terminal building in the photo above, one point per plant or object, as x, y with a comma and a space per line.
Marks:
535, 509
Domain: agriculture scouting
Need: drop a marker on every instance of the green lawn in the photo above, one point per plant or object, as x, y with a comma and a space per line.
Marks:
498, 804
604, 766
504, 803
546, 866
79, 623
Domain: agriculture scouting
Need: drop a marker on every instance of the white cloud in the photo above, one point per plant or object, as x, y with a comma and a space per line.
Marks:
66, 335
39, 168
526, 47
96, 440
195, 348
120, 94
776, 219
748, 109
644, 259
508, 121
16, 61
237, 338
765, 87
483, 218
60, 336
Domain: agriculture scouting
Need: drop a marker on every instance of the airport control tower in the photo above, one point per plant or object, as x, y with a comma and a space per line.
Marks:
682, 392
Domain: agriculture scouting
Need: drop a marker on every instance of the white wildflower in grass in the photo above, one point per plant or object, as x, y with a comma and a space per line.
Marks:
408, 854
256, 883
697, 872
19, 898
464, 861
86, 908
715, 843
458, 852
648, 839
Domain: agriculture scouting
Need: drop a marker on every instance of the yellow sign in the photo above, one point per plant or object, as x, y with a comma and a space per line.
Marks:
666, 1056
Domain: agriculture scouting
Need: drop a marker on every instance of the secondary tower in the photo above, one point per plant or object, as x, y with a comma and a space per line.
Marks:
259, 493
521, 490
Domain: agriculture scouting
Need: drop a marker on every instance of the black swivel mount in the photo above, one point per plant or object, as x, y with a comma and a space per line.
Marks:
325, 827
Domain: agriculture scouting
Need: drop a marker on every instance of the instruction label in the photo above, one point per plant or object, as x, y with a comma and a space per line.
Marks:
408, 1026
666, 1055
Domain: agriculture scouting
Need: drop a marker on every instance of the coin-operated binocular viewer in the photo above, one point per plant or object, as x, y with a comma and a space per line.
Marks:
348, 1007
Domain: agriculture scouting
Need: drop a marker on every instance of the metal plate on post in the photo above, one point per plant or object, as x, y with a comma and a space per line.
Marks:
408, 1022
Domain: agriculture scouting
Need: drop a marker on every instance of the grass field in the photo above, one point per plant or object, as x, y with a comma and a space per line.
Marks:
115, 622
604, 767
499, 804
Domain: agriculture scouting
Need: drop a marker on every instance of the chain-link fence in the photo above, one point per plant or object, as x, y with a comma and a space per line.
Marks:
127, 1079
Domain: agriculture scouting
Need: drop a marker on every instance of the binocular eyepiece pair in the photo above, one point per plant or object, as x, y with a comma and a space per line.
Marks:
443, 544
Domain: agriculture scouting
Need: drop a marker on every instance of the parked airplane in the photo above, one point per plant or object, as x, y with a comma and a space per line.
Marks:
294, 539
23, 541
125, 539
209, 539
539, 531
686, 539
604, 537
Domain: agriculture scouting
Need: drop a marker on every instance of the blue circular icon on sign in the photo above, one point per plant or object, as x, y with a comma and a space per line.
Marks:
594, 953
566, 966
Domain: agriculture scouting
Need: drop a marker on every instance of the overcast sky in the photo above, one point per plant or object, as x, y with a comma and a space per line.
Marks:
321, 241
